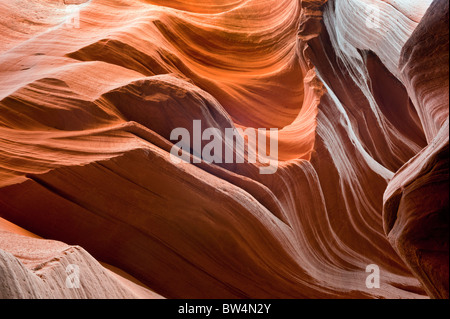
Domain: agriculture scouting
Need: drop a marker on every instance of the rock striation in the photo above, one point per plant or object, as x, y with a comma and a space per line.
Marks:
90, 92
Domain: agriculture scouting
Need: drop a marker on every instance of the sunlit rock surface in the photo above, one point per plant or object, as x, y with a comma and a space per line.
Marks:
89, 96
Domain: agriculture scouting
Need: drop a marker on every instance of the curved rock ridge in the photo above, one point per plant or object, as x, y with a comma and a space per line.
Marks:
417, 223
90, 95
34, 268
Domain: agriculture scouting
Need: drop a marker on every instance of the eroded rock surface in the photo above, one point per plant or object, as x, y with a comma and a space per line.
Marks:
88, 100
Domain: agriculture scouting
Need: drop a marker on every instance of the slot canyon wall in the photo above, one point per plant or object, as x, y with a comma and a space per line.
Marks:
90, 92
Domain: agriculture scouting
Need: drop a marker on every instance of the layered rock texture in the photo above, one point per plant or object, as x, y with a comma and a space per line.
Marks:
90, 92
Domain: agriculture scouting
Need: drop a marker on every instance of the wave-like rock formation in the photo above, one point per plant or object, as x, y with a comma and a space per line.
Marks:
90, 92
31, 267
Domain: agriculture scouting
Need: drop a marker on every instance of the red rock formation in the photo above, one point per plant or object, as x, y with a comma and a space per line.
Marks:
87, 110
31, 267
416, 210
